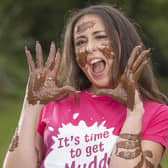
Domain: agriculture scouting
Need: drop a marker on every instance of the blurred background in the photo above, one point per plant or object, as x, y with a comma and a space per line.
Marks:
23, 22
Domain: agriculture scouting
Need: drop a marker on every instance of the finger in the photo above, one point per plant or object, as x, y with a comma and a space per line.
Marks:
51, 57
140, 59
106, 92
133, 55
58, 92
140, 69
66, 89
113, 93
31, 83
29, 60
39, 55
57, 62
137, 97
52, 94
131, 100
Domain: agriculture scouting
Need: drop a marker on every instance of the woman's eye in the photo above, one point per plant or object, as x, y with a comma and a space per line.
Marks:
78, 43
101, 36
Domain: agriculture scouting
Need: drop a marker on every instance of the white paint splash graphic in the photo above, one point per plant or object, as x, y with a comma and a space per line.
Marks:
81, 146
51, 129
75, 116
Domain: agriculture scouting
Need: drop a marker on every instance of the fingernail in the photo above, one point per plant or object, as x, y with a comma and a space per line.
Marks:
77, 91
94, 95
147, 51
26, 50
58, 52
139, 46
52, 43
37, 42
149, 59
27, 53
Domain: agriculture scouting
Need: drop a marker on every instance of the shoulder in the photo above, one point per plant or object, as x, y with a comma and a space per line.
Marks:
154, 113
155, 122
153, 108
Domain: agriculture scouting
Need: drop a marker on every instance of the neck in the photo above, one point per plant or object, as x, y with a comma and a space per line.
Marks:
93, 89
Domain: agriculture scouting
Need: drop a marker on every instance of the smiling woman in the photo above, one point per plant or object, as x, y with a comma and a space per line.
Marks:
107, 111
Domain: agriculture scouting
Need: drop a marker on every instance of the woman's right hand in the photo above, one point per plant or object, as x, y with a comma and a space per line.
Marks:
42, 86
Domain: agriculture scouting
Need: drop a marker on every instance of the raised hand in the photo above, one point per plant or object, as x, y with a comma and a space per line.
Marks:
42, 86
124, 92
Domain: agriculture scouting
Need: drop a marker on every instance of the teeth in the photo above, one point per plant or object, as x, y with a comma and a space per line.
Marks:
95, 61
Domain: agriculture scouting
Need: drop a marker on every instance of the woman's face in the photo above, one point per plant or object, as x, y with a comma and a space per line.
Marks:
94, 52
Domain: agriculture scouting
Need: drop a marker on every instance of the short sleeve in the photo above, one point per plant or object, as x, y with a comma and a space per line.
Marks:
41, 123
157, 127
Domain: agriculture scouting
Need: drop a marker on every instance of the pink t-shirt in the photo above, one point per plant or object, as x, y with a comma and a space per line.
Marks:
80, 132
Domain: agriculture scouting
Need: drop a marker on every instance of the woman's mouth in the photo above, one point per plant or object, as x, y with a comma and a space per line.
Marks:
97, 66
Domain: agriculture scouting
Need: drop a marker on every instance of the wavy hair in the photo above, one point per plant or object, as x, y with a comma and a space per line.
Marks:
122, 32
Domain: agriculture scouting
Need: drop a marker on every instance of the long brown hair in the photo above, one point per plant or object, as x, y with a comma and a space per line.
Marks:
122, 33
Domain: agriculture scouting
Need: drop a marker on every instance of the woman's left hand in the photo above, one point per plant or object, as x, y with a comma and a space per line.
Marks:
124, 92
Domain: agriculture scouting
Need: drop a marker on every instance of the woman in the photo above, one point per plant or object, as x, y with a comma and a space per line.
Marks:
105, 110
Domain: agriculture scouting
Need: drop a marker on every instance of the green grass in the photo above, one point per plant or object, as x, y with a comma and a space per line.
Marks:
165, 160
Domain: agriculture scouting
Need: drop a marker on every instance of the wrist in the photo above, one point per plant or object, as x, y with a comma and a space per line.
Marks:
132, 124
29, 114
31, 109
136, 112
27, 103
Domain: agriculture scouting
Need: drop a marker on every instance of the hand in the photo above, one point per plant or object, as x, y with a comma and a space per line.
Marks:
42, 86
124, 92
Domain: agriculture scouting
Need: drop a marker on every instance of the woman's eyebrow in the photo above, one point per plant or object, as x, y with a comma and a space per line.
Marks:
97, 32
78, 37
94, 33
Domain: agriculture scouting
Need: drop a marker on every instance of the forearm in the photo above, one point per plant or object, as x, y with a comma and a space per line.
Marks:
22, 151
127, 152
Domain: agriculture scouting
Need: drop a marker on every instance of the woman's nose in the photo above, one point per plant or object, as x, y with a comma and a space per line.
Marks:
91, 46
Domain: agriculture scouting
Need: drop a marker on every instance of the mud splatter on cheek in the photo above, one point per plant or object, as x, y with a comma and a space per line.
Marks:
82, 58
107, 51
